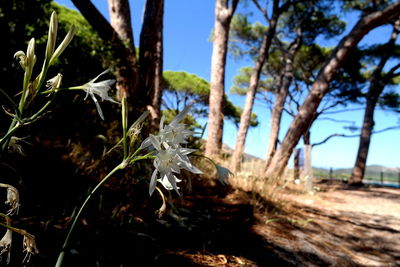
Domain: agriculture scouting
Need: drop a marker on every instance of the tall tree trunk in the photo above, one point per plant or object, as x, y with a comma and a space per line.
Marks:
223, 17
308, 173
320, 87
245, 118
358, 171
279, 103
151, 59
375, 90
121, 39
120, 17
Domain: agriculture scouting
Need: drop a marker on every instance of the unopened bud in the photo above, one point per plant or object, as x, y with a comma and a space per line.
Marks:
51, 41
20, 55
63, 44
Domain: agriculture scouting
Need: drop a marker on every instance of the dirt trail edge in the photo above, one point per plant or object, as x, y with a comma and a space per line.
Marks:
338, 226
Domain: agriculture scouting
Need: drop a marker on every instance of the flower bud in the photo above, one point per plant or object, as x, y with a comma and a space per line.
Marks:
51, 40
20, 55
63, 44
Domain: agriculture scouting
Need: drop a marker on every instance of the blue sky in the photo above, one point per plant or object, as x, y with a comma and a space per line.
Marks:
187, 28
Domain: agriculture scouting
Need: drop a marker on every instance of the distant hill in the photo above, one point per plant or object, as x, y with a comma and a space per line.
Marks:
246, 157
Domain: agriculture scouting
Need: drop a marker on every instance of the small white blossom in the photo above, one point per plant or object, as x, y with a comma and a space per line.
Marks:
100, 89
5, 244
12, 198
173, 134
166, 163
170, 157
29, 246
55, 82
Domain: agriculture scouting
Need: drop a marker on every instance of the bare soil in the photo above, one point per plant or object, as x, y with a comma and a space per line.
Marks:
215, 225
338, 226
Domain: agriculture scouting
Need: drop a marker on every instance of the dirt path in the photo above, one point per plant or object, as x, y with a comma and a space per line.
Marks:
342, 226
216, 225
339, 226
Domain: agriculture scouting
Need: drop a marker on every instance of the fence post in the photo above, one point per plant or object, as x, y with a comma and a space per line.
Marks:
381, 177
297, 164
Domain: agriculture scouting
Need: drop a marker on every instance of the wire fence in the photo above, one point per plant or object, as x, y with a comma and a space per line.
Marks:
377, 177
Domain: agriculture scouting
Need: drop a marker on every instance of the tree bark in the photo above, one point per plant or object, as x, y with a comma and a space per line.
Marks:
126, 74
223, 17
151, 59
245, 118
375, 90
320, 87
279, 103
127, 68
308, 173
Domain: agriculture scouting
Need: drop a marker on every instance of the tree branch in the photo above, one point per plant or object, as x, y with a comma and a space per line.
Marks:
355, 135
262, 10
232, 8
335, 120
98, 22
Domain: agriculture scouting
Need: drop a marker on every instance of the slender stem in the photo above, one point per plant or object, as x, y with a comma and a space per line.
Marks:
33, 117
15, 125
125, 127
10, 228
77, 216
135, 153
147, 156
10, 100
5, 140
21, 104
42, 76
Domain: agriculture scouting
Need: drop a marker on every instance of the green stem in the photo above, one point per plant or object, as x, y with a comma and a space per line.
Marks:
15, 125
25, 90
77, 216
42, 76
125, 127
11, 101
54, 90
37, 114
6, 139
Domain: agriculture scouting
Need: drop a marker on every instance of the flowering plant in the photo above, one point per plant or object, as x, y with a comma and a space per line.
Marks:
167, 148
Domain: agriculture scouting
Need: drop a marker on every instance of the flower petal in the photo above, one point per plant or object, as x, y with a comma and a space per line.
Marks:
153, 182
181, 114
156, 144
98, 76
146, 143
97, 106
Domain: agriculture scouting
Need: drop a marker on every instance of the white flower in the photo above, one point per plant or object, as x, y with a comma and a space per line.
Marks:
12, 198
168, 162
29, 246
5, 244
55, 82
173, 134
100, 89
170, 157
